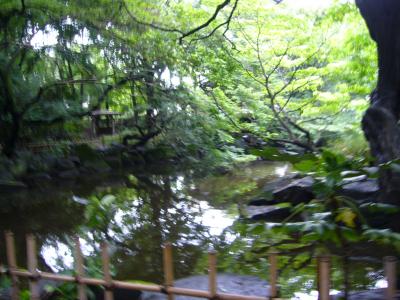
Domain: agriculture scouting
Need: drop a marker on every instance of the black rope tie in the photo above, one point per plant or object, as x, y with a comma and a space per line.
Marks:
164, 290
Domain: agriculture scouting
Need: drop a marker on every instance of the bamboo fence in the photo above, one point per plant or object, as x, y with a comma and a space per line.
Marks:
34, 275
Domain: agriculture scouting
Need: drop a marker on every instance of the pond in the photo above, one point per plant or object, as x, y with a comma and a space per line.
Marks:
140, 210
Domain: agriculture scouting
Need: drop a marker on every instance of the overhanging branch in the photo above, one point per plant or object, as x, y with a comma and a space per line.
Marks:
184, 34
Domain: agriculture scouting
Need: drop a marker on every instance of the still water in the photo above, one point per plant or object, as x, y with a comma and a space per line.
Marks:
139, 211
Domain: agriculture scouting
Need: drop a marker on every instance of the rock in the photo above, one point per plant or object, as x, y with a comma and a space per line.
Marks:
355, 178
6, 185
85, 152
114, 162
91, 159
6, 175
38, 179
283, 190
268, 213
40, 163
266, 197
377, 294
85, 170
75, 160
349, 173
64, 164
158, 154
133, 158
99, 166
262, 202
361, 190
5, 162
116, 149
49, 160
19, 168
296, 192
371, 170
222, 170
118, 293
69, 175
278, 183
251, 141
231, 284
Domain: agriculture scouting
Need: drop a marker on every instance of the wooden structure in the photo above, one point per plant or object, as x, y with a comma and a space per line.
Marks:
103, 122
33, 275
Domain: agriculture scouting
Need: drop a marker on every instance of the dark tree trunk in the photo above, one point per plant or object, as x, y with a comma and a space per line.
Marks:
380, 120
12, 132
11, 139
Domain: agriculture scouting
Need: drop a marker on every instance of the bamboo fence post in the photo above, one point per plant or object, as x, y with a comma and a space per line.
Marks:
273, 275
12, 264
79, 269
168, 268
323, 277
2, 267
108, 294
32, 266
212, 273
390, 274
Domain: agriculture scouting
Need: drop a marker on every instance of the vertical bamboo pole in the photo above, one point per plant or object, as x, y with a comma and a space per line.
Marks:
273, 274
12, 263
79, 269
168, 268
323, 277
390, 274
32, 266
108, 294
2, 266
2, 269
212, 273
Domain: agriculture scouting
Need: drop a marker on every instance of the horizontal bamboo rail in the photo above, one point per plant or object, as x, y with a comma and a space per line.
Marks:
33, 275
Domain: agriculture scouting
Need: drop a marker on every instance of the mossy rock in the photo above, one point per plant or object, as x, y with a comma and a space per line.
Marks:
159, 153
8, 184
5, 175
19, 168
91, 159
85, 152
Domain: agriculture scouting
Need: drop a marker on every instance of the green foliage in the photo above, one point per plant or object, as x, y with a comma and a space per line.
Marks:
332, 218
329, 224
68, 291
287, 77
5, 282
281, 75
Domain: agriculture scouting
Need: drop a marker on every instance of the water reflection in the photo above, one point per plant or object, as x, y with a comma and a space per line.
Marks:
137, 213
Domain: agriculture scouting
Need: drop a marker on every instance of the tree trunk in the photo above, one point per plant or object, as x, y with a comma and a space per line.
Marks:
11, 139
380, 120
12, 133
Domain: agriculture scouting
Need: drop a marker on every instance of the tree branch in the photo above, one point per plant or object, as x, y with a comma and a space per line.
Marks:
151, 25
210, 20
227, 23
211, 93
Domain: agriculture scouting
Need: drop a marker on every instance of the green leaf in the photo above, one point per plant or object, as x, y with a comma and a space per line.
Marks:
306, 166
108, 200
257, 229
350, 234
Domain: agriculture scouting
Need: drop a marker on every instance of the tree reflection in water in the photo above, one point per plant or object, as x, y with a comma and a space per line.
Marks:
136, 214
